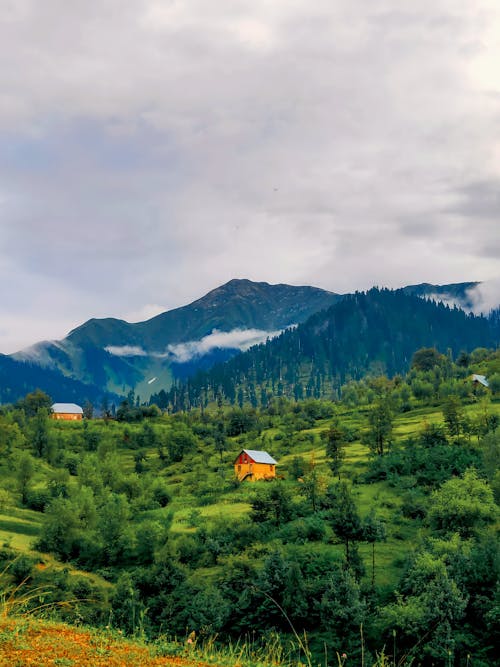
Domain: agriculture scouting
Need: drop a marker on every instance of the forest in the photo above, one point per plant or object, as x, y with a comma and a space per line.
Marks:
374, 333
379, 535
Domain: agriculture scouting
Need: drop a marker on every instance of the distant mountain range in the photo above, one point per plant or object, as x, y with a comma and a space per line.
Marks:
363, 334
111, 355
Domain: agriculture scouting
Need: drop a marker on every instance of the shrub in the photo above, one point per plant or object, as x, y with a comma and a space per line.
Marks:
414, 505
161, 494
21, 568
38, 499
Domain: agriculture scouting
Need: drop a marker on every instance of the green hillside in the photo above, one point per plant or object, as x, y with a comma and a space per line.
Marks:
384, 515
365, 333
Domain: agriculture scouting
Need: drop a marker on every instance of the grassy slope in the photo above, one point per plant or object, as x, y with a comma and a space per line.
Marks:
403, 534
26, 642
19, 527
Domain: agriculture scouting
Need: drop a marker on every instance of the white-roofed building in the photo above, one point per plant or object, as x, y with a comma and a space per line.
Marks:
67, 411
253, 464
480, 379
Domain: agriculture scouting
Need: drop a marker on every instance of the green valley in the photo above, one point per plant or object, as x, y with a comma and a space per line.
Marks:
380, 533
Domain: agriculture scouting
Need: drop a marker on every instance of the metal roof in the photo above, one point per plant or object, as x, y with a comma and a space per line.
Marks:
67, 408
260, 457
481, 379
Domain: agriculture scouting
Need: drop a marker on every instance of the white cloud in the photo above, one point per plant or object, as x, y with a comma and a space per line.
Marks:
447, 299
482, 298
485, 296
126, 350
237, 339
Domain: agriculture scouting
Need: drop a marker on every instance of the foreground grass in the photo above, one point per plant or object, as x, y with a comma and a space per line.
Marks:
26, 642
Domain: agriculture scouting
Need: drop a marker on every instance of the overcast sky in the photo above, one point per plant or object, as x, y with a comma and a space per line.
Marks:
151, 150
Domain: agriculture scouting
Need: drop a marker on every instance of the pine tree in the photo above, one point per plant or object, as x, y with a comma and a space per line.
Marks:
335, 452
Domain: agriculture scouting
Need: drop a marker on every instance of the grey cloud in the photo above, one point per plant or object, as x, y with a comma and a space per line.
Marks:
418, 227
479, 200
150, 151
491, 249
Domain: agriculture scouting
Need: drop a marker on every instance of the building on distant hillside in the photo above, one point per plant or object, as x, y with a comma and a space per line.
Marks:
252, 465
67, 411
480, 379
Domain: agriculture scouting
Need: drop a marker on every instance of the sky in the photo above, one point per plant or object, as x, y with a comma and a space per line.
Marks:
151, 150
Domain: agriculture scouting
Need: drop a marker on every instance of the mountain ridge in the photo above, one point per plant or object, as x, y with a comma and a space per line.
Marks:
113, 355
117, 355
239, 302
376, 333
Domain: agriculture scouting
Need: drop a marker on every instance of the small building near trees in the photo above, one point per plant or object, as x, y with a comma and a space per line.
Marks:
67, 411
480, 379
252, 465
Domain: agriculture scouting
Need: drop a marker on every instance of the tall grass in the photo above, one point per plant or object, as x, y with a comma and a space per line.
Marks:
19, 599
269, 651
245, 652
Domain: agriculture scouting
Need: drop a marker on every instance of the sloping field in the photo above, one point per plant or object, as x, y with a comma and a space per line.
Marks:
19, 528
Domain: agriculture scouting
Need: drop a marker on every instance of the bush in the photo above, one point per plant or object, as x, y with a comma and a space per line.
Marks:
70, 461
38, 499
312, 529
414, 505
161, 494
21, 568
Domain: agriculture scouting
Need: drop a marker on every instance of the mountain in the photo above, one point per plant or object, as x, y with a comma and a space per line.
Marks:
112, 355
116, 355
374, 332
18, 378
239, 304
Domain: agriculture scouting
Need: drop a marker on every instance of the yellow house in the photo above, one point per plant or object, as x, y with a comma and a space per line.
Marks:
253, 465
67, 411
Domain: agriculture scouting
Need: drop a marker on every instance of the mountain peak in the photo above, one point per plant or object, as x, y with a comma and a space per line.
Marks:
114, 355
246, 286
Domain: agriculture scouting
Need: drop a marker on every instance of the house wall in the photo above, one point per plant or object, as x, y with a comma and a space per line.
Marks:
67, 416
256, 470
